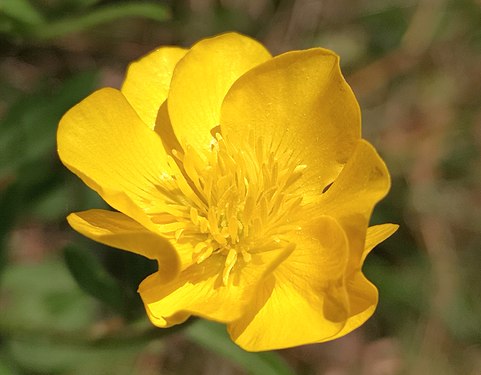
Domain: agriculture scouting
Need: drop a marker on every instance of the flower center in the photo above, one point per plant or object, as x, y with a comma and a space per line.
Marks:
235, 202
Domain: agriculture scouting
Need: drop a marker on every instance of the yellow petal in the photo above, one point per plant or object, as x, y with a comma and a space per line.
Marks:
178, 318
147, 81
298, 104
363, 299
104, 142
163, 127
201, 80
375, 235
351, 198
305, 301
363, 295
200, 289
118, 230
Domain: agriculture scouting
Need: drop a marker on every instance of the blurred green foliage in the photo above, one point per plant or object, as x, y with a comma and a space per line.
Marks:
69, 306
21, 19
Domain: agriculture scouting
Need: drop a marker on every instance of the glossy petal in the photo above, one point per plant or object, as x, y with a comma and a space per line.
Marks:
300, 104
163, 127
199, 290
118, 230
305, 300
377, 234
201, 80
104, 142
363, 299
161, 322
148, 81
363, 295
351, 198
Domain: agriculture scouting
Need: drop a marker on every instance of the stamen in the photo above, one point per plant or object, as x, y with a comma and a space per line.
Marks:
246, 256
232, 202
233, 227
229, 264
205, 254
178, 233
194, 216
296, 174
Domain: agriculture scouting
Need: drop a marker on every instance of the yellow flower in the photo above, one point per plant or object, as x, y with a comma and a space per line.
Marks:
245, 176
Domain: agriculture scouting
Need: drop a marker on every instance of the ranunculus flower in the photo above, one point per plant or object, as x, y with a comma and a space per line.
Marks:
245, 176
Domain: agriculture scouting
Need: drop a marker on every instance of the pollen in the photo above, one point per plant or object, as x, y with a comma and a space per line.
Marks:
231, 202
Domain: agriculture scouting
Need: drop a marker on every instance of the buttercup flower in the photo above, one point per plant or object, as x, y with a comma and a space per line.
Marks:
246, 178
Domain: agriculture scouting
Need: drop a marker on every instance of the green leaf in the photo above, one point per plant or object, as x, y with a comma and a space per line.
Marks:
108, 13
93, 278
214, 337
6, 368
80, 3
21, 10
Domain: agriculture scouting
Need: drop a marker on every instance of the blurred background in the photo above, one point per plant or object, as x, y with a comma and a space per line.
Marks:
69, 305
